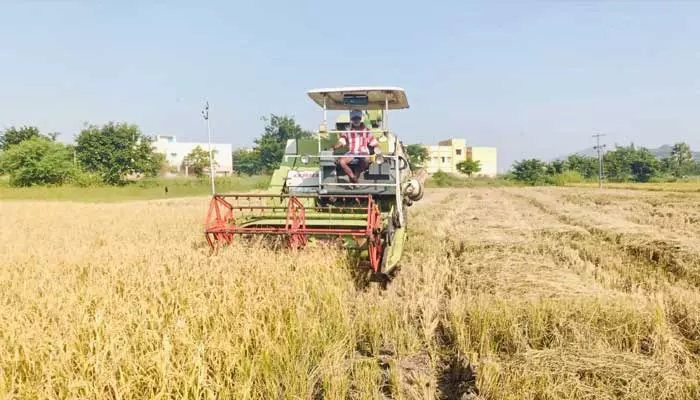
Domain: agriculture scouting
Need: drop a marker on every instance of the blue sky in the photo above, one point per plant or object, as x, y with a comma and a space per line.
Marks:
535, 79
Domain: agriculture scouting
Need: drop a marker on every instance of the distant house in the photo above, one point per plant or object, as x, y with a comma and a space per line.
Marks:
175, 152
448, 153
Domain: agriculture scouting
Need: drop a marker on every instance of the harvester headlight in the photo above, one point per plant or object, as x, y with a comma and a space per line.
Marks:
378, 157
304, 159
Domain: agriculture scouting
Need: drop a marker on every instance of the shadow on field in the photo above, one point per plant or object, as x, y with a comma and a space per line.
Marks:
457, 378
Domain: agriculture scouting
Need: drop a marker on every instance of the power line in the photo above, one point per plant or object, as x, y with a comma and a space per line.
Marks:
598, 148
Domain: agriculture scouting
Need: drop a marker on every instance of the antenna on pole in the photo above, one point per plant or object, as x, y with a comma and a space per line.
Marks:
205, 114
598, 148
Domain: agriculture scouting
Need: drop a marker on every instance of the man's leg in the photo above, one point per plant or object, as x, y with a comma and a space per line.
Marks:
344, 161
364, 164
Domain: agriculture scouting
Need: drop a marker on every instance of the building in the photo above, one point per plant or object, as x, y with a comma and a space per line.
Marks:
175, 152
448, 153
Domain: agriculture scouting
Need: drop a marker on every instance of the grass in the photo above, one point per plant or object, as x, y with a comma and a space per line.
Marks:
146, 189
504, 293
441, 179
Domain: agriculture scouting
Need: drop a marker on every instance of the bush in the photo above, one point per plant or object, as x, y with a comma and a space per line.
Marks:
85, 179
441, 179
37, 161
564, 178
532, 171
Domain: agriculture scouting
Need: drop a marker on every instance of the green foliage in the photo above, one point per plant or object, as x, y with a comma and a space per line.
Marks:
680, 162
247, 162
644, 166
557, 167
620, 165
695, 168
37, 161
564, 178
197, 160
586, 166
417, 155
85, 179
630, 164
116, 150
469, 166
441, 179
155, 164
270, 146
13, 136
531, 171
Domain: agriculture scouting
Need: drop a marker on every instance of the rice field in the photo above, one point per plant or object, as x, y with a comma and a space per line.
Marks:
504, 293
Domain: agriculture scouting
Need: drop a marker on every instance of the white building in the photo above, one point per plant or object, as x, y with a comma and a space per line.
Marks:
175, 152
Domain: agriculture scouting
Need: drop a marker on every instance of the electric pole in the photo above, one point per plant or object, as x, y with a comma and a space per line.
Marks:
205, 114
598, 148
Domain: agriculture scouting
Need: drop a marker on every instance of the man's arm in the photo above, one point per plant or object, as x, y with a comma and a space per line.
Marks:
372, 142
342, 141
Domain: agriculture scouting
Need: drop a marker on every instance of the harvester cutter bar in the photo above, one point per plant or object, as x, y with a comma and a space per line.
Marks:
220, 225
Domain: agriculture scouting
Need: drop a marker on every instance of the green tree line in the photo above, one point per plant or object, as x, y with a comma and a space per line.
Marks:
623, 164
111, 153
108, 154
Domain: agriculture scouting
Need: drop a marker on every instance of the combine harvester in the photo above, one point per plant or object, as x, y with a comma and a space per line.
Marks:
311, 198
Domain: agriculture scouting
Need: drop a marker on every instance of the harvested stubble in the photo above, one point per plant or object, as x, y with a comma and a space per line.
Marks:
504, 294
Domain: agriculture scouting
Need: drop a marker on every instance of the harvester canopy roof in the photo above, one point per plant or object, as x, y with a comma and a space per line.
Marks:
360, 98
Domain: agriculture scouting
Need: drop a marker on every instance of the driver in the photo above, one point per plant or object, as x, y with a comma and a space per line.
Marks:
358, 138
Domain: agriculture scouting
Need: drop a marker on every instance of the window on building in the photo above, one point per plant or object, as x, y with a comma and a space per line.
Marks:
443, 160
173, 154
458, 152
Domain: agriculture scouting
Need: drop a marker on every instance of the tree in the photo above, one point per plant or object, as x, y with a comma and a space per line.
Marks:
584, 165
13, 136
695, 169
197, 160
37, 161
680, 161
531, 171
270, 146
469, 166
246, 162
618, 163
115, 150
644, 166
417, 154
630, 163
556, 167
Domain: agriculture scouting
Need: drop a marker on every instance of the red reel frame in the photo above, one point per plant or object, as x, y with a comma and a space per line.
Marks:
220, 227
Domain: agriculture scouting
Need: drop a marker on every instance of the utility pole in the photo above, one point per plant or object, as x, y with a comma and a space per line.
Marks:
205, 114
598, 148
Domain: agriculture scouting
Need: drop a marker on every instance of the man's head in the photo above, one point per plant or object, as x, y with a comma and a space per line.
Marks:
356, 118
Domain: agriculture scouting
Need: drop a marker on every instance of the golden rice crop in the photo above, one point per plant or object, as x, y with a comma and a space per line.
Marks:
512, 293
